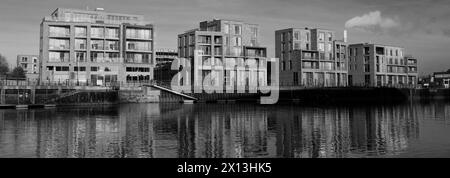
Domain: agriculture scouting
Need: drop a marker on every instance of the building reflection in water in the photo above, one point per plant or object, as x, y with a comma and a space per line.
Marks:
210, 130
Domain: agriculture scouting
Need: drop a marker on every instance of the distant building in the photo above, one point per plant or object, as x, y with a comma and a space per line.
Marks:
96, 47
224, 46
30, 64
311, 58
163, 71
381, 65
441, 79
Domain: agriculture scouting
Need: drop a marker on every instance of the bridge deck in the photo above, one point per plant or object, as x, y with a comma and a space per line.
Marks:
172, 91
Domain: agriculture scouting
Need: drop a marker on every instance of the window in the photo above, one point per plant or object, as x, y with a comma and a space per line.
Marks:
254, 32
97, 32
296, 36
330, 36
139, 33
237, 41
296, 45
321, 47
112, 33
139, 46
237, 30
366, 59
58, 57
80, 44
97, 44
94, 69
227, 29
367, 79
80, 57
81, 69
139, 58
204, 39
96, 56
321, 36
80, 31
112, 57
112, 45
59, 44
59, 31
329, 47
366, 50
366, 67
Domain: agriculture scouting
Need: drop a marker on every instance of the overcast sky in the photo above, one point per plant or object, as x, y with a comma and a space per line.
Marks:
421, 26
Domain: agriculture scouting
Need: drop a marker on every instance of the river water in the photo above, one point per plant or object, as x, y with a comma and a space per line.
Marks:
228, 130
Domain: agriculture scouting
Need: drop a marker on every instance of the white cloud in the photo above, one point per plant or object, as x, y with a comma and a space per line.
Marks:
372, 21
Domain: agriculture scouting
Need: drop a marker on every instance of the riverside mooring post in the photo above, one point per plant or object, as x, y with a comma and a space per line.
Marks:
2, 96
33, 95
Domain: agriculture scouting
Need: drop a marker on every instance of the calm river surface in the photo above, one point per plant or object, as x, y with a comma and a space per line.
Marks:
221, 130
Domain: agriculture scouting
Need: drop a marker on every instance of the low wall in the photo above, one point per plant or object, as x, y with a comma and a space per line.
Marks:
139, 95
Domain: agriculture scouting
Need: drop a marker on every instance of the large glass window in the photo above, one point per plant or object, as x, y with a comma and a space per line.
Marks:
80, 44
80, 31
254, 32
59, 31
227, 28
97, 32
97, 44
58, 57
112, 33
138, 33
204, 39
96, 56
321, 47
139, 46
237, 41
321, 36
59, 44
112, 57
139, 58
237, 29
112, 45
80, 57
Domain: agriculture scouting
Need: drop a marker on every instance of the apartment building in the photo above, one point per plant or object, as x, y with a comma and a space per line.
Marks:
30, 64
311, 58
96, 47
224, 46
163, 70
377, 65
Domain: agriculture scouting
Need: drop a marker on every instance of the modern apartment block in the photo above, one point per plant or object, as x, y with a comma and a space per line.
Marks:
96, 47
381, 65
163, 70
30, 64
164, 56
227, 46
311, 58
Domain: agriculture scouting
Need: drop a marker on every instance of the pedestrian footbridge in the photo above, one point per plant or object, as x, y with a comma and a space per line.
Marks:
172, 91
